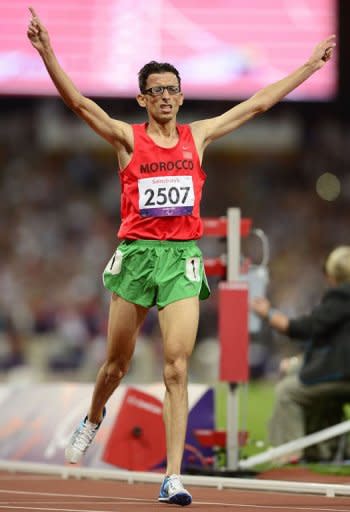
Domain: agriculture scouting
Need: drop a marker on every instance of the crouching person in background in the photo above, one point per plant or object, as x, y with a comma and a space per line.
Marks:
311, 393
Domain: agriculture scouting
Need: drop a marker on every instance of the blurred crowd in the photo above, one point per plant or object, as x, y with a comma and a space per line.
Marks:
59, 214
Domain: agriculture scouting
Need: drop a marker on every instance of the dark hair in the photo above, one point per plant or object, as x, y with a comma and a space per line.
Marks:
156, 67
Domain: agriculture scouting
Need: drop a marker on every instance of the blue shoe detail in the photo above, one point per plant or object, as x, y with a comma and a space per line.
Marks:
172, 491
82, 439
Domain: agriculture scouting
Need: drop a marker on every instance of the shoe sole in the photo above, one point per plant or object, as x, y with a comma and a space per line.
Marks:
182, 499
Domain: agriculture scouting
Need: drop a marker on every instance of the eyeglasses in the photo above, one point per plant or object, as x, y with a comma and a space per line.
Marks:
159, 89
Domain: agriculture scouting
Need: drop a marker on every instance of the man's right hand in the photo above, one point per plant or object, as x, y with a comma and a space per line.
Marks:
37, 33
117, 133
261, 306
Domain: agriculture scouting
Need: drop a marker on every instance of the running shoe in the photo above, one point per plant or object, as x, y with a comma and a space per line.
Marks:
81, 439
172, 491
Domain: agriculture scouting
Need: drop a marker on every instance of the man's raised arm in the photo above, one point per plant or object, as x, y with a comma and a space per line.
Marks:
115, 132
207, 130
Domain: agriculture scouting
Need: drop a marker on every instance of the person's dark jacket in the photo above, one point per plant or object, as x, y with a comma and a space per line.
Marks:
327, 330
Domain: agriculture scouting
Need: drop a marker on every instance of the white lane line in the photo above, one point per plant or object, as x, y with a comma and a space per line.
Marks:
267, 507
7, 507
27, 477
137, 501
66, 495
149, 501
78, 503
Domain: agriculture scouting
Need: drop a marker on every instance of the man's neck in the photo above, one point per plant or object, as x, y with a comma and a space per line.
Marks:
164, 134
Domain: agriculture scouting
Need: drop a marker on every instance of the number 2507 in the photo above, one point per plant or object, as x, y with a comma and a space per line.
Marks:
163, 196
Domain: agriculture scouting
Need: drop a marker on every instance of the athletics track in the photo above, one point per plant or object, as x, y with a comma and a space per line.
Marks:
49, 493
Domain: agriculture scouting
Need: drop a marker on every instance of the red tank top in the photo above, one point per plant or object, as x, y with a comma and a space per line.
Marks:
161, 189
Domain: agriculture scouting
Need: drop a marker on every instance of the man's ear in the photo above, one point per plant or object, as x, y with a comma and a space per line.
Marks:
140, 98
182, 99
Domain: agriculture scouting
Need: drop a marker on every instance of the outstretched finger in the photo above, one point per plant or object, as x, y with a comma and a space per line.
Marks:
35, 21
32, 12
331, 40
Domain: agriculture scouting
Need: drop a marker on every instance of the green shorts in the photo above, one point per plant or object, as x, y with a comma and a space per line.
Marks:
152, 272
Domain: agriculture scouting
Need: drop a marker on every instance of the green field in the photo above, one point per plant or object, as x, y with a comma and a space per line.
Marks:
255, 409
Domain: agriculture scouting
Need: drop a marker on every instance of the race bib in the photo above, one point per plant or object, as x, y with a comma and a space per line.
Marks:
166, 196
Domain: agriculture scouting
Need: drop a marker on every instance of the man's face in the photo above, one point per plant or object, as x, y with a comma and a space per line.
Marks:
162, 105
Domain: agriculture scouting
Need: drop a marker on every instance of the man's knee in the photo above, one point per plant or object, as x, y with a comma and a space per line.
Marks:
115, 370
175, 371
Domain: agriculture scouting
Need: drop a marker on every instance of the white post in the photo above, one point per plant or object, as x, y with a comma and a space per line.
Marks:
296, 445
233, 267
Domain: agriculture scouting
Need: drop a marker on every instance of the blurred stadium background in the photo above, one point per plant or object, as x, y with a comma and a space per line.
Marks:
59, 190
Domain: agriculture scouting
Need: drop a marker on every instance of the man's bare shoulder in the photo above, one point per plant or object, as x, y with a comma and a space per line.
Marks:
123, 135
199, 131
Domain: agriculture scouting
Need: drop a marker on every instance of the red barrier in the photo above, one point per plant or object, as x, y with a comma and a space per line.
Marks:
215, 267
137, 439
218, 438
217, 226
233, 331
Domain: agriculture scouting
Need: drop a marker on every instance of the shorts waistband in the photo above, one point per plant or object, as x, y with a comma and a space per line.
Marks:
161, 243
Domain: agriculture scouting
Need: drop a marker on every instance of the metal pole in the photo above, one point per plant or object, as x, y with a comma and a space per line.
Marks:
233, 266
296, 445
233, 243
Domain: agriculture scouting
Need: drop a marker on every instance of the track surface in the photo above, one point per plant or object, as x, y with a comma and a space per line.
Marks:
32, 493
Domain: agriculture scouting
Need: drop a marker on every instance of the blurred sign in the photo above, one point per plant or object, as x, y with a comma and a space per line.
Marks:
223, 49
38, 420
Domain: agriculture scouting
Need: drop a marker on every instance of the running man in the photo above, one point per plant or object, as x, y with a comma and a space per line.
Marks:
157, 261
